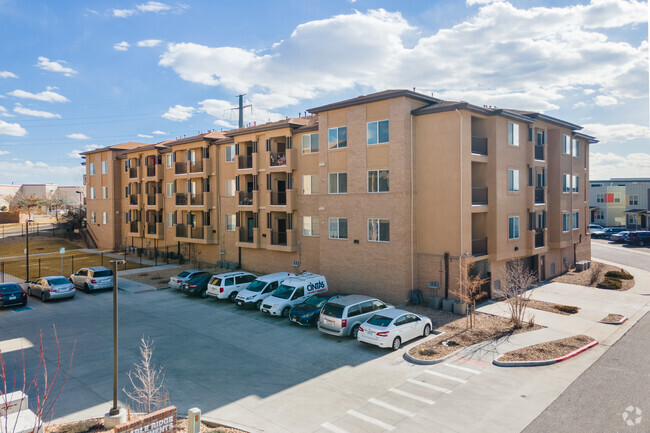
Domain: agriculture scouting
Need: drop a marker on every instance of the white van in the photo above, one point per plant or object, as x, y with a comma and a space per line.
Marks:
293, 292
260, 289
226, 286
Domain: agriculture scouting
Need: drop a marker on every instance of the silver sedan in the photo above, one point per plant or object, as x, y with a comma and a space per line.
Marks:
393, 327
48, 288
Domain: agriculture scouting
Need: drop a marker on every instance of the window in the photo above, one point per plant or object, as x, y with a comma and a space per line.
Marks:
513, 180
600, 214
93, 217
513, 227
576, 148
92, 192
566, 183
631, 219
91, 168
566, 144
576, 220
310, 184
600, 198
309, 226
104, 167
633, 199
105, 217
230, 187
513, 134
378, 230
566, 222
104, 192
170, 220
377, 132
617, 197
230, 223
169, 189
338, 228
310, 143
230, 153
378, 181
337, 137
576, 184
169, 160
338, 183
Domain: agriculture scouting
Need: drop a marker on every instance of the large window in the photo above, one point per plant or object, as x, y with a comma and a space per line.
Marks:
230, 223
169, 190
513, 134
310, 184
566, 222
513, 180
170, 219
576, 184
566, 144
378, 181
230, 153
93, 217
377, 132
92, 193
600, 198
576, 148
513, 227
230, 187
338, 228
378, 230
338, 183
309, 226
310, 143
337, 137
104, 192
576, 220
633, 199
566, 183
104, 167
105, 217
91, 168
169, 160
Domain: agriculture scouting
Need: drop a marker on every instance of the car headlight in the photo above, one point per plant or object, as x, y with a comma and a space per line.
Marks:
250, 298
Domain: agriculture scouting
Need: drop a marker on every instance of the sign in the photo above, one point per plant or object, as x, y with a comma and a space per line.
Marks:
161, 421
62, 251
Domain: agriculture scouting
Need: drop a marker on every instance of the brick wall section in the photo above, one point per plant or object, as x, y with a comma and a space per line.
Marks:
162, 421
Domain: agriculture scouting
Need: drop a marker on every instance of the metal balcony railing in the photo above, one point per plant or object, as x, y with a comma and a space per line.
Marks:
539, 195
151, 229
245, 235
279, 198
539, 238
278, 159
180, 168
133, 173
539, 152
151, 170
479, 146
278, 238
151, 199
245, 161
133, 227
181, 199
479, 247
196, 233
245, 198
196, 167
133, 200
181, 231
479, 195
196, 199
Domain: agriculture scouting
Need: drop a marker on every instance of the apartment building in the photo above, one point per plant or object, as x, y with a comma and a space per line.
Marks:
381, 193
620, 201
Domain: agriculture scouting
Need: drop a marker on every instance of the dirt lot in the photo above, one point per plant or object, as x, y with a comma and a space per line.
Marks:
583, 278
548, 350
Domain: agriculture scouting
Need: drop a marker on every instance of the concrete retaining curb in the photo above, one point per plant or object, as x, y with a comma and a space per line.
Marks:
544, 362
620, 322
214, 422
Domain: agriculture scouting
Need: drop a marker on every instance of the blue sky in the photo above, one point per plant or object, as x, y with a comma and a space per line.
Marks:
80, 75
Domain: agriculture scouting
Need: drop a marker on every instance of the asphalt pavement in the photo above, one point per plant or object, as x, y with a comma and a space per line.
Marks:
631, 255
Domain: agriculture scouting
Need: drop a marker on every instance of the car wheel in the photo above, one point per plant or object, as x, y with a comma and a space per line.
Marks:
427, 330
258, 304
86, 287
355, 331
43, 298
232, 297
29, 291
285, 312
397, 342
204, 293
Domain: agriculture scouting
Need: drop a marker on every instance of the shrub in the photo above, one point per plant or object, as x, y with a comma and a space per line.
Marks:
596, 273
621, 275
610, 283
427, 352
569, 309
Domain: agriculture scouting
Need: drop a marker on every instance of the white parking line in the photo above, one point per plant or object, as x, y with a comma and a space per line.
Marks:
428, 385
411, 396
333, 428
371, 420
457, 367
444, 376
391, 407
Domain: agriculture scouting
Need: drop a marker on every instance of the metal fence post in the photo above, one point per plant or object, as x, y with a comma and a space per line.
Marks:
39, 268
3, 272
71, 264
102, 256
167, 254
37, 224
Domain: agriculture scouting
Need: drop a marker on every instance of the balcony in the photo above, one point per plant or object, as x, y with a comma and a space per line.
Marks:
151, 229
278, 159
133, 227
539, 195
196, 199
196, 233
479, 247
133, 173
539, 152
151, 171
278, 198
181, 231
278, 238
245, 162
181, 199
539, 238
479, 196
196, 167
151, 199
245, 198
479, 146
180, 168
246, 235
133, 200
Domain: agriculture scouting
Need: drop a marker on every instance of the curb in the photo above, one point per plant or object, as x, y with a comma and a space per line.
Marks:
620, 322
413, 360
544, 362
213, 422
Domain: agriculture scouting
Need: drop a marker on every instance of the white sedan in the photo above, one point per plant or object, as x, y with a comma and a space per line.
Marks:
392, 327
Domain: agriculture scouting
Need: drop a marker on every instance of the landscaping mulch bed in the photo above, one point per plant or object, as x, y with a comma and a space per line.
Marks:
565, 310
96, 425
549, 350
613, 318
456, 335
160, 279
583, 278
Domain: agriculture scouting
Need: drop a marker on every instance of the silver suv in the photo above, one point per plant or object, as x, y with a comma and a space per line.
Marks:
93, 278
343, 316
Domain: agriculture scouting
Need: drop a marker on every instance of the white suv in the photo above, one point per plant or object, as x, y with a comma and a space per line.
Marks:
93, 278
226, 286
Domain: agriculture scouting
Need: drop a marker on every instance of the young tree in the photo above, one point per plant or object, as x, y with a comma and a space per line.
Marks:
55, 204
517, 282
28, 203
469, 288
147, 380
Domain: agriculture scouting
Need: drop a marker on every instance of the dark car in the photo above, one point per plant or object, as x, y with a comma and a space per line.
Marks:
606, 233
638, 238
197, 286
12, 294
306, 314
619, 237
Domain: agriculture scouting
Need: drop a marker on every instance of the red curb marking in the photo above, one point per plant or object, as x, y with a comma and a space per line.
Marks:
577, 351
472, 361
622, 320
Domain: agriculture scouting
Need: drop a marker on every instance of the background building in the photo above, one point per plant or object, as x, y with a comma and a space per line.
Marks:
620, 202
70, 196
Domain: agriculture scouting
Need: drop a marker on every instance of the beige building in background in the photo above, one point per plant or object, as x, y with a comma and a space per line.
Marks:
381, 193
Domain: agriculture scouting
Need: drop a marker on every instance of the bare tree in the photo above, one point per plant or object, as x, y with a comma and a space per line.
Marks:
596, 273
517, 282
29, 203
147, 380
469, 288
55, 204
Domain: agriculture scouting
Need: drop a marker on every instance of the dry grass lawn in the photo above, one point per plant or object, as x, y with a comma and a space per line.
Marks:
583, 278
11, 247
97, 426
549, 350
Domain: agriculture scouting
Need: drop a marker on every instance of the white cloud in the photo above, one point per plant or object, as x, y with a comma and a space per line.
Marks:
580, 104
55, 66
617, 133
123, 13
76, 152
152, 6
47, 96
7, 74
608, 165
224, 124
179, 113
145, 136
25, 171
13, 129
604, 100
4, 112
159, 132
35, 113
4, 152
122, 46
149, 43
78, 136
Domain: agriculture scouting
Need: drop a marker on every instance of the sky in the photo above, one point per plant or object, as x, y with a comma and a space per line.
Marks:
75, 75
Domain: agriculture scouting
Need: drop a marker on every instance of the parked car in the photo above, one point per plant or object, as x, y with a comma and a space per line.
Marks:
260, 289
640, 238
306, 314
594, 227
606, 232
176, 282
292, 292
393, 327
197, 285
48, 288
93, 278
344, 315
619, 237
228, 285
12, 294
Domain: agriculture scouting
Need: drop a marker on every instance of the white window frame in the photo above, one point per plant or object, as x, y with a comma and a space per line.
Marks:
337, 222
575, 184
310, 226
566, 183
617, 197
308, 139
375, 124
230, 187
104, 167
566, 144
104, 218
104, 192
170, 220
310, 184
575, 148
338, 183
231, 222
169, 160
169, 190
230, 153
513, 134
636, 200
516, 228
575, 219
93, 217
600, 214
91, 168
600, 197
92, 193
376, 226
337, 144
513, 180
377, 177
566, 222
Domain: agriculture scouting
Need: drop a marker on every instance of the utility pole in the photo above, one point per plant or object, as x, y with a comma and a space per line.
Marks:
240, 109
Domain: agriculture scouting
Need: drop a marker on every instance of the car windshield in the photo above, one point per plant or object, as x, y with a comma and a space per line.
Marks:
106, 273
381, 321
283, 292
10, 288
183, 274
256, 286
215, 281
55, 281
316, 301
333, 310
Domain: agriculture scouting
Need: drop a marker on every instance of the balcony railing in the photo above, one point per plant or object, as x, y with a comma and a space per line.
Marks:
479, 247
151, 229
133, 173
151, 200
479, 195
181, 199
151, 170
539, 195
196, 199
133, 227
180, 168
278, 238
279, 198
181, 231
278, 159
539, 152
196, 167
245, 198
245, 161
479, 146
133, 200
245, 235
197, 233
539, 239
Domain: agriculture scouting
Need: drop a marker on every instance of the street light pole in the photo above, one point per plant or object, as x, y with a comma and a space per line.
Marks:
114, 416
27, 249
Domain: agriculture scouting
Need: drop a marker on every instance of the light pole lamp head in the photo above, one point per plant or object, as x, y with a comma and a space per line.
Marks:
117, 262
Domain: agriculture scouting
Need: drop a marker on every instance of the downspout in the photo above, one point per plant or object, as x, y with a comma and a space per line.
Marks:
412, 206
